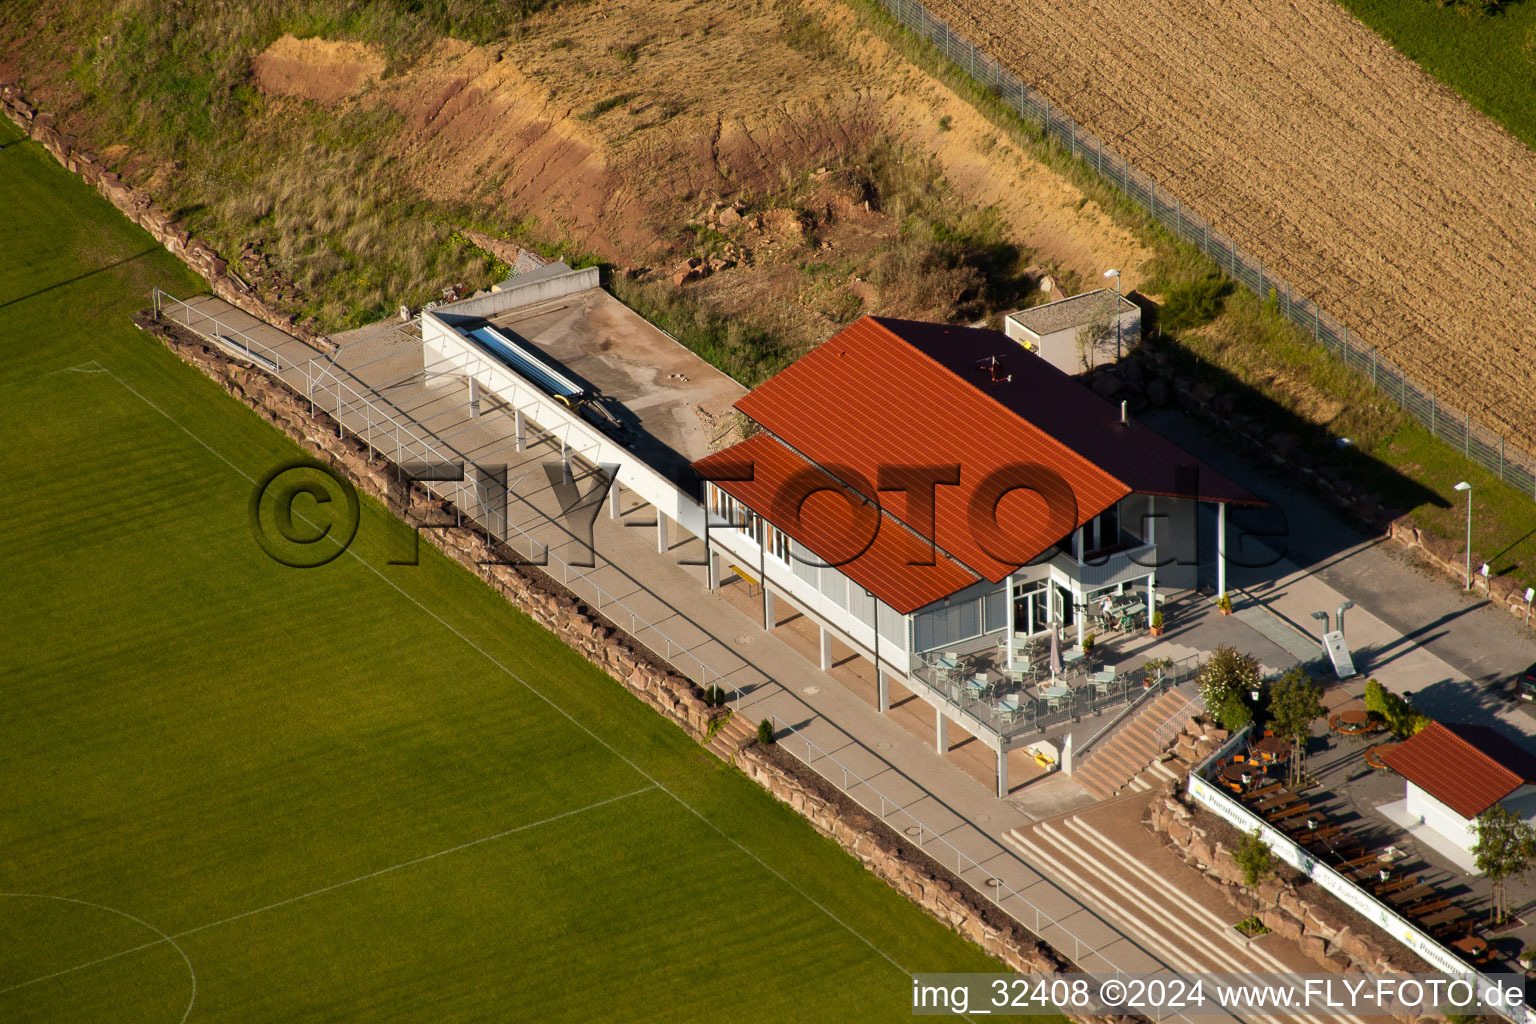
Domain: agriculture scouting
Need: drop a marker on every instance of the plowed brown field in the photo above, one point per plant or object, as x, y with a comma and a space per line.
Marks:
1325, 153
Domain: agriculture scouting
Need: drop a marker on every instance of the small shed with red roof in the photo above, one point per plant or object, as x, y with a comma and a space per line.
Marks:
1455, 771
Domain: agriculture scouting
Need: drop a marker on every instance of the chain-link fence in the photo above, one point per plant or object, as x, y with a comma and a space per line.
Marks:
1453, 425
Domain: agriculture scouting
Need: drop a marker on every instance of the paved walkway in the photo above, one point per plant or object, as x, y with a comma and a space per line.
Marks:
1103, 855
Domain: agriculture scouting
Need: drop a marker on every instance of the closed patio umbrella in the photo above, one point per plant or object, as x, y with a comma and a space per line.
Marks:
1055, 653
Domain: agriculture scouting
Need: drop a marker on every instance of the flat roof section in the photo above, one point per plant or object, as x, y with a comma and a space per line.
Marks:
677, 407
1069, 312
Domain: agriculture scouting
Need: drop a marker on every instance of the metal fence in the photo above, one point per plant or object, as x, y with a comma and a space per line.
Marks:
1451, 424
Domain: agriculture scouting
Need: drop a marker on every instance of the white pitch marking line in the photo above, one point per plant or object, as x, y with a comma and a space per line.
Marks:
550, 701
302, 896
121, 913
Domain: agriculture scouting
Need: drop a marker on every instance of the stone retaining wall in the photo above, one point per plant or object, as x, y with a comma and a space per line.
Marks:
881, 850
1326, 931
1147, 378
138, 207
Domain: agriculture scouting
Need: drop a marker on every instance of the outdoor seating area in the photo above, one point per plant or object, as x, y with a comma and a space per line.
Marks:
1029, 695
1314, 819
1346, 810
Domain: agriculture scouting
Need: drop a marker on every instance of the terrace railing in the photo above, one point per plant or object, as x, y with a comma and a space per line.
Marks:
1454, 425
1035, 714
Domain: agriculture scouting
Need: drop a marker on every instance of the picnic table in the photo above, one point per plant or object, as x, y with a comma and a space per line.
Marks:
1411, 896
1428, 908
1470, 946
1277, 801
1448, 916
1396, 884
1288, 812
1267, 790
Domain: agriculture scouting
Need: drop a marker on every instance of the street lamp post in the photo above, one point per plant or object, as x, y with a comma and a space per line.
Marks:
1116, 275
1464, 486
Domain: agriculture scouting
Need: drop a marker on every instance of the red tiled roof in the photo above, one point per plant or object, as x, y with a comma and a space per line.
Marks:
835, 523
872, 398
1469, 768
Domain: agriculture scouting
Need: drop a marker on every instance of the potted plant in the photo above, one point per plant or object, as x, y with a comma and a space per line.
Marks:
1224, 604
1155, 667
1528, 959
1156, 628
1088, 642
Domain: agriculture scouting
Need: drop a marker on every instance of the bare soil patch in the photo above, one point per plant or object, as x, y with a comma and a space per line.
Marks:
315, 69
1323, 151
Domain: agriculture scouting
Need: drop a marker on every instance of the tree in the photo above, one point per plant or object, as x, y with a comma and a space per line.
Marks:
1505, 848
1254, 859
1295, 702
1226, 680
1095, 334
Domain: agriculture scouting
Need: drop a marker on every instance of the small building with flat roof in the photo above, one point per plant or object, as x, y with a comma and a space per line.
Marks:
1052, 330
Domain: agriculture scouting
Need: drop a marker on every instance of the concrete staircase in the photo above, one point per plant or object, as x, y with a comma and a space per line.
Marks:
1136, 748
733, 735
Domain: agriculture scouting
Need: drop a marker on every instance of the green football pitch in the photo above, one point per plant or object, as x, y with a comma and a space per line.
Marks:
236, 791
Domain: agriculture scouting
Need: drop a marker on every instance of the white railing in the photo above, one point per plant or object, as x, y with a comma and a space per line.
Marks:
226, 336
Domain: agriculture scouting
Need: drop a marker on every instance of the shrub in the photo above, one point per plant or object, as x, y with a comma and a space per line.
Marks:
1193, 303
1225, 683
1157, 619
1397, 713
765, 732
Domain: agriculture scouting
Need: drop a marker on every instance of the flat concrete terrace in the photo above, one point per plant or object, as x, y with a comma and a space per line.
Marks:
664, 403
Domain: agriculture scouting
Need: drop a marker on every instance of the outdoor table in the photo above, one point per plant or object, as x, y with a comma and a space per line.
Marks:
976, 685
1430, 908
1235, 772
1264, 792
1072, 657
1273, 747
1352, 723
1407, 896
1277, 801
1470, 946
1055, 692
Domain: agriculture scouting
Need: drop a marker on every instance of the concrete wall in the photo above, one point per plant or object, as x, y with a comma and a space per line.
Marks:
1060, 347
1439, 817
513, 294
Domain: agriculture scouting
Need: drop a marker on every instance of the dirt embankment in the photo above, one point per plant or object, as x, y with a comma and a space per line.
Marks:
1324, 152
315, 69
621, 121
